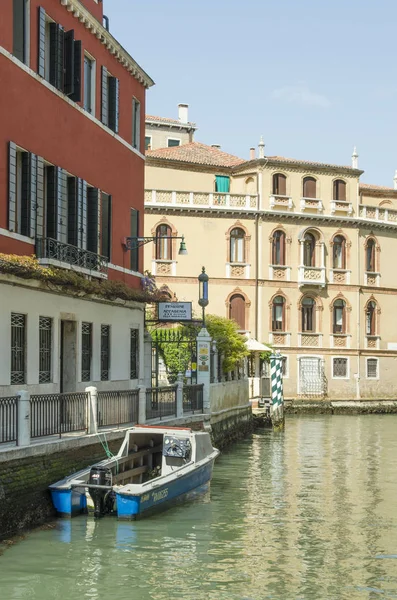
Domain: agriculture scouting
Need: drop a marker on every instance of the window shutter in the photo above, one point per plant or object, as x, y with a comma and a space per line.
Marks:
104, 108
134, 220
33, 196
25, 194
56, 55
41, 56
114, 101
52, 205
77, 57
40, 198
79, 211
12, 186
136, 124
309, 188
83, 219
69, 63
72, 211
106, 225
93, 214
62, 205
282, 185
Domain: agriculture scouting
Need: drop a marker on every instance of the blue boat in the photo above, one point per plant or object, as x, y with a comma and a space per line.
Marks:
154, 468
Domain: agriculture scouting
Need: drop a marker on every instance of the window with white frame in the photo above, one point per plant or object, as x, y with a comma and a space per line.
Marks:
20, 47
340, 367
285, 366
172, 142
89, 84
148, 142
136, 123
372, 368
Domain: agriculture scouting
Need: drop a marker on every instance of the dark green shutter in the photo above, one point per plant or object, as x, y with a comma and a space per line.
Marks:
68, 81
12, 187
104, 103
19, 29
77, 57
72, 211
32, 196
106, 225
93, 215
52, 204
62, 198
40, 198
114, 101
56, 55
134, 254
83, 229
41, 57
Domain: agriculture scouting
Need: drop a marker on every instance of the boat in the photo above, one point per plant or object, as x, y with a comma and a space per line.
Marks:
154, 468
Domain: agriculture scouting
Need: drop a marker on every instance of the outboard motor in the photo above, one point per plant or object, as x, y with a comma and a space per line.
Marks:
102, 496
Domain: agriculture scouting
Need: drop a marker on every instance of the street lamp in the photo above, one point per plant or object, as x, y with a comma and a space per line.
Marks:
203, 291
132, 243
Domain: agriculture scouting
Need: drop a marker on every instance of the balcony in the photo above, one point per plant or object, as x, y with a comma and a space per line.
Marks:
341, 207
279, 201
201, 200
372, 278
312, 204
310, 340
280, 338
311, 276
238, 270
340, 340
339, 276
372, 342
279, 273
55, 253
385, 215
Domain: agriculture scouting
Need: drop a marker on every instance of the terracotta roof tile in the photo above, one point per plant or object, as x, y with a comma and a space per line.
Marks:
198, 154
167, 120
370, 186
308, 162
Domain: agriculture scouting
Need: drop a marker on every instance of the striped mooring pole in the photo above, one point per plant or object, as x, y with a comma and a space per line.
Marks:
276, 378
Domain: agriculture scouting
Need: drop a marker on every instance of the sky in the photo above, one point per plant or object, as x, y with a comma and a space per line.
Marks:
313, 77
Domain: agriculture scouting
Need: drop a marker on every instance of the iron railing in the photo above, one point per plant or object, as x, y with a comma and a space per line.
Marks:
118, 407
193, 396
9, 419
55, 414
160, 402
72, 255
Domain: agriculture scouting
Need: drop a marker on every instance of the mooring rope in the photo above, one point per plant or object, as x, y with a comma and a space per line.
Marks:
107, 450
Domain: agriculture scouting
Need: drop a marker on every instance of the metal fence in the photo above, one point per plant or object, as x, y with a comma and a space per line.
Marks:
160, 402
193, 398
55, 414
8, 419
118, 407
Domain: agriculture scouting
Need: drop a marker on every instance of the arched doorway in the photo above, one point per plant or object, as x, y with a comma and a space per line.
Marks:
237, 310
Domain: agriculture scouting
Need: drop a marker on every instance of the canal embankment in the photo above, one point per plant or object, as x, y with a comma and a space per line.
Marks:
339, 407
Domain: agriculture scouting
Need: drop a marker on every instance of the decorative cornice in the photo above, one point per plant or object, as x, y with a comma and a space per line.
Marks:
114, 47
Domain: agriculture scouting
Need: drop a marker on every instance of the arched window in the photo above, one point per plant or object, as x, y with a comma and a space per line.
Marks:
339, 189
339, 317
237, 310
237, 245
279, 184
309, 250
370, 256
163, 243
339, 252
278, 314
370, 318
308, 315
309, 187
278, 248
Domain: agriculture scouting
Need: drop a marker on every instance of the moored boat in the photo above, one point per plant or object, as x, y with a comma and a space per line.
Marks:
154, 468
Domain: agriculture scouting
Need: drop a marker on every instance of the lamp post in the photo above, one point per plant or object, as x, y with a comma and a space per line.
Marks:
133, 243
203, 292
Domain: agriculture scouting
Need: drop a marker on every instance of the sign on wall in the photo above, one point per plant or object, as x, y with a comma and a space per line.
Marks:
203, 352
175, 311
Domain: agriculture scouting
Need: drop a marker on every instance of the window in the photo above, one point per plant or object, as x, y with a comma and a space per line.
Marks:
370, 319
308, 315
148, 142
339, 252
370, 256
163, 244
278, 248
339, 317
284, 366
339, 189
172, 142
22, 190
134, 353
372, 368
340, 367
134, 253
20, 47
18, 348
106, 225
222, 184
89, 84
45, 349
279, 184
237, 245
237, 310
278, 314
105, 352
309, 187
136, 124
77, 212
86, 351
110, 101
309, 250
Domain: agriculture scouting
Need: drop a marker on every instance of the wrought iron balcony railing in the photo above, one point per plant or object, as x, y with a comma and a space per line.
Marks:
48, 249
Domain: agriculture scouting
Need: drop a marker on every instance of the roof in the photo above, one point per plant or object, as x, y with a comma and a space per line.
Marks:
376, 188
309, 163
166, 120
198, 154
254, 346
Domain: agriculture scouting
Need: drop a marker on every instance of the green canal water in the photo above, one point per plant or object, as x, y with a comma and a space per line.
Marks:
310, 513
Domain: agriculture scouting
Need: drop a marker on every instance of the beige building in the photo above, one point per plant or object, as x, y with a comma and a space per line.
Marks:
299, 253
168, 133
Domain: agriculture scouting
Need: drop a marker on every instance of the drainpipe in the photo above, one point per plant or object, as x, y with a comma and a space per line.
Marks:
106, 19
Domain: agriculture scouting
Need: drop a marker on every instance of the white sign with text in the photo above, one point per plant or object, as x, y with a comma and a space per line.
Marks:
175, 311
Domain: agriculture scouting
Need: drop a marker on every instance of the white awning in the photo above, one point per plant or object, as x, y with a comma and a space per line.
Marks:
255, 346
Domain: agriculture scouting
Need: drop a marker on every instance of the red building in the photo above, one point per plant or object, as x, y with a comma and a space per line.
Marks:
72, 110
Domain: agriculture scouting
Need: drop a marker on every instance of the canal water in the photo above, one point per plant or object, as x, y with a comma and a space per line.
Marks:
310, 513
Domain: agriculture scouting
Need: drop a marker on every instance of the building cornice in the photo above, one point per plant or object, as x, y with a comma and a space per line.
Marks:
167, 163
298, 166
114, 47
188, 127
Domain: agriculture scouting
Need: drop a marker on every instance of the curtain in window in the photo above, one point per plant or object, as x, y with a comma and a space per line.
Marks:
308, 323
222, 184
163, 244
339, 253
370, 319
370, 259
339, 317
278, 314
309, 250
278, 248
237, 242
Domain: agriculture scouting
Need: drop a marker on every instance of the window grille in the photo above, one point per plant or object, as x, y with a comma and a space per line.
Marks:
105, 352
86, 351
45, 349
18, 348
134, 353
339, 367
372, 368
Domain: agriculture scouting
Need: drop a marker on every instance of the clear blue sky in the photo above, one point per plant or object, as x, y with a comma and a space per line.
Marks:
314, 77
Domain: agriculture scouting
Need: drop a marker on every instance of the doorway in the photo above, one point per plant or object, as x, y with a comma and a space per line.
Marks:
68, 356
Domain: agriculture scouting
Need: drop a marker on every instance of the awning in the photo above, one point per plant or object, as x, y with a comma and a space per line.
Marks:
255, 346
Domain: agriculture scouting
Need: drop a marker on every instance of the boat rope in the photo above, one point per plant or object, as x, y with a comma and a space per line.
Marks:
107, 450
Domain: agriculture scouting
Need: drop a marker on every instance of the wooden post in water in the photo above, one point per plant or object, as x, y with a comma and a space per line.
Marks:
277, 401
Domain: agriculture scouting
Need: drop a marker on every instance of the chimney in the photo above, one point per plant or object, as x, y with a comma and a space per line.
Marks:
183, 113
395, 180
216, 146
355, 158
261, 147
252, 153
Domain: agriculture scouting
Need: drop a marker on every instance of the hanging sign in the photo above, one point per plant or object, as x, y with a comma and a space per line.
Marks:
175, 311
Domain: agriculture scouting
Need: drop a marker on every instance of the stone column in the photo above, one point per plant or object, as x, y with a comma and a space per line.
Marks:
147, 357
23, 438
142, 406
179, 396
215, 362
93, 409
203, 366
